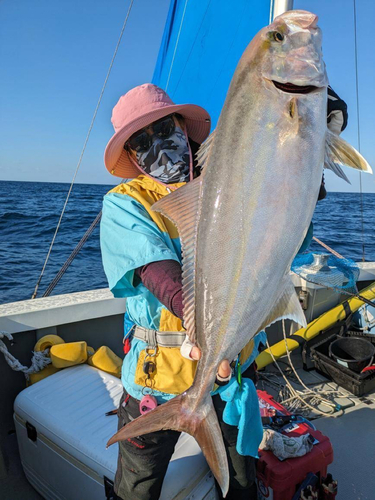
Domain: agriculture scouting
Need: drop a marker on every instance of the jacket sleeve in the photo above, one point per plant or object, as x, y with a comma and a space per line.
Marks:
164, 280
129, 239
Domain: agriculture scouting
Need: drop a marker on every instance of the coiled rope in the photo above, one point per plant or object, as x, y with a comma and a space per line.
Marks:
308, 398
39, 360
83, 149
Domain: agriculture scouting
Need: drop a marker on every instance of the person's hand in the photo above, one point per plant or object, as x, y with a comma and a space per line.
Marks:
191, 351
224, 370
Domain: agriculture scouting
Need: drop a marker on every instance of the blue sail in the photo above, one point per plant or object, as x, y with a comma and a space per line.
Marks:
202, 43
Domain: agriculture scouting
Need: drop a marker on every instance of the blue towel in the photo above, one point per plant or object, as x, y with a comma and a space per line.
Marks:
242, 410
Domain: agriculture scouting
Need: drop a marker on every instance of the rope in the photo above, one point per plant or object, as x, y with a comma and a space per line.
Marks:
328, 248
175, 48
83, 149
302, 396
344, 292
358, 125
39, 360
309, 391
72, 256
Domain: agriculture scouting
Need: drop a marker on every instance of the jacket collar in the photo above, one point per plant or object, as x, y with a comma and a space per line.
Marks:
150, 184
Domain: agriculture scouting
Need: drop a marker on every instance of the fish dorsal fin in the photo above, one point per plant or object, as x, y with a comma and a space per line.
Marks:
182, 207
286, 307
204, 151
339, 153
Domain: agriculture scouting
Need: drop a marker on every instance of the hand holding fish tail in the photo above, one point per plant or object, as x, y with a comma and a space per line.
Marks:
224, 369
191, 351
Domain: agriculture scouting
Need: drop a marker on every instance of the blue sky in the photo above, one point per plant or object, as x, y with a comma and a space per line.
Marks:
54, 56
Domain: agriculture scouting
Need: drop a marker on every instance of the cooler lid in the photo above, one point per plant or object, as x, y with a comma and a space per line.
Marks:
69, 409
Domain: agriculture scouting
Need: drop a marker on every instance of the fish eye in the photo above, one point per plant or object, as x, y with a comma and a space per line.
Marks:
279, 37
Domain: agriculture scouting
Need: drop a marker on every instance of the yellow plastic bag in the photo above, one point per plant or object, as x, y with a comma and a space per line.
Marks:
69, 354
105, 359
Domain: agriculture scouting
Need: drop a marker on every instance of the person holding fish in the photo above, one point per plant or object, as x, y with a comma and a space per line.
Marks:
154, 145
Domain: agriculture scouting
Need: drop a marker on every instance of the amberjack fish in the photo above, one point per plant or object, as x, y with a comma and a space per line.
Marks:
243, 220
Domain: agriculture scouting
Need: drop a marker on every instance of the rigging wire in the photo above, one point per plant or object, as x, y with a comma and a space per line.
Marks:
271, 11
84, 148
72, 256
175, 48
192, 45
74, 253
358, 123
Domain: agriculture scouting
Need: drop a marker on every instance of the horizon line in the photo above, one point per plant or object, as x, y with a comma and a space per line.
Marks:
115, 184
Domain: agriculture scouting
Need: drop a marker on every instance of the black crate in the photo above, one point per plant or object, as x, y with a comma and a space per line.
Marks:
359, 333
338, 329
356, 383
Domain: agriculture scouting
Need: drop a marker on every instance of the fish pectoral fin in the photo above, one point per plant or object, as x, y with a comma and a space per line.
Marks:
339, 153
182, 207
287, 307
177, 415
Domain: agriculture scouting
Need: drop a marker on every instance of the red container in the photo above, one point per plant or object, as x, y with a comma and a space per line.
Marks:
279, 480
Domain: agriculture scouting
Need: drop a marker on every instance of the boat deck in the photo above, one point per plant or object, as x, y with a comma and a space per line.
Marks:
86, 315
351, 434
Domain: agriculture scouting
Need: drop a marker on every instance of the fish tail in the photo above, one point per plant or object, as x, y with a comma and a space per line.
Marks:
202, 425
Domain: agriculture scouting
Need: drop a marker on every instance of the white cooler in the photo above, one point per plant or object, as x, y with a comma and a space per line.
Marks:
62, 432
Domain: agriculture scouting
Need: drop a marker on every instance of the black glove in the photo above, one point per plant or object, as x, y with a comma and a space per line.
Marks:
337, 113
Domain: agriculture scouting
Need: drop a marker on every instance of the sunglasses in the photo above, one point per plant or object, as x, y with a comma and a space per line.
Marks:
141, 141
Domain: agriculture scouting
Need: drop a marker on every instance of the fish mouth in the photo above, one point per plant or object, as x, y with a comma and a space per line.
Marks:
290, 88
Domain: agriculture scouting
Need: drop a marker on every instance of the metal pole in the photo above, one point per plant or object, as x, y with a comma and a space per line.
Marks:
281, 6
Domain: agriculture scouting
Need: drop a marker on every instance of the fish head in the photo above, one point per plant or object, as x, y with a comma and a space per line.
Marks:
291, 49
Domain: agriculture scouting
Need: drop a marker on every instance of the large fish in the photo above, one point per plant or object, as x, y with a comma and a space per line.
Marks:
243, 220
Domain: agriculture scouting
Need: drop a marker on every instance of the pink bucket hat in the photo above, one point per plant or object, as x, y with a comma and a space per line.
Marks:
137, 109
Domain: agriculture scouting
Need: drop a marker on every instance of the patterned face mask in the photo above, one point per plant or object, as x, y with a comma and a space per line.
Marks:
168, 159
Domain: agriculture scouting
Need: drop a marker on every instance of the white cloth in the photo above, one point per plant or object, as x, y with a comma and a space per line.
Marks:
285, 447
186, 348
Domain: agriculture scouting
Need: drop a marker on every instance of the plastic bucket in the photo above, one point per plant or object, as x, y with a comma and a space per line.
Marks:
354, 353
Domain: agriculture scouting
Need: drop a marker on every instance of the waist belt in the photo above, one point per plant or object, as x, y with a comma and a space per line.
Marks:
154, 337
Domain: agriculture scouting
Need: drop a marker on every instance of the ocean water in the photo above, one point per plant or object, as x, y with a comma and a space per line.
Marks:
29, 212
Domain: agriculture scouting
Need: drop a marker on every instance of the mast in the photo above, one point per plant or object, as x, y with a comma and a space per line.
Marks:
281, 6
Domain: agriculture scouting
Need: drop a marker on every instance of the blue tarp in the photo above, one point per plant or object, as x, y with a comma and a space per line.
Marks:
212, 38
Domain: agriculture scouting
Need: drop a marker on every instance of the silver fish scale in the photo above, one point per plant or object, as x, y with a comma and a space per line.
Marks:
260, 188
